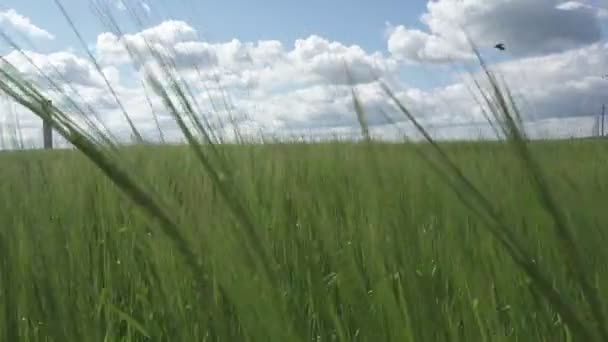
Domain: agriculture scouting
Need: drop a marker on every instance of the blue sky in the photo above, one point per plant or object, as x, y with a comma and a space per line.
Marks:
556, 54
364, 23
360, 23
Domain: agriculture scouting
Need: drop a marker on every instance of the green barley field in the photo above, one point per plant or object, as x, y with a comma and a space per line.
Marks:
307, 242
500, 240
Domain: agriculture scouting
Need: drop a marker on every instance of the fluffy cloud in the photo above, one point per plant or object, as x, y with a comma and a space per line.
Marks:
79, 82
63, 67
564, 86
161, 38
601, 12
415, 45
120, 5
329, 60
303, 87
527, 28
570, 83
306, 85
311, 57
256, 84
10, 18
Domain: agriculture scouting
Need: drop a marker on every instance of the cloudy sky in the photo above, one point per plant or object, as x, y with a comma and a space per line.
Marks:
278, 66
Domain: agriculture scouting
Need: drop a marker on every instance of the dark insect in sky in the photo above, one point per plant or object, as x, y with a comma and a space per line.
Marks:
500, 46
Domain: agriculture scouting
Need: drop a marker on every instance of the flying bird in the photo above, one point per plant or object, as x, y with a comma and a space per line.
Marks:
500, 46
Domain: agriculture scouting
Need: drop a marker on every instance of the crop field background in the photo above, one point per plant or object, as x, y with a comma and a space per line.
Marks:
218, 239
353, 242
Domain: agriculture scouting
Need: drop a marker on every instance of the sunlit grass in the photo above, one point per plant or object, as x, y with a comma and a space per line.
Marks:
395, 257
298, 242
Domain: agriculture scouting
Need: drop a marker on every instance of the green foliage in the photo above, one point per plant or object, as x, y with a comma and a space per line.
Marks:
298, 242
357, 254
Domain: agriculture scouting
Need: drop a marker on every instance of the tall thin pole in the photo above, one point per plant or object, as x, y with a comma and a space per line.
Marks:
47, 130
603, 117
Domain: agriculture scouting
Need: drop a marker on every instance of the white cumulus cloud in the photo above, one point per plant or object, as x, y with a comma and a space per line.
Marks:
526, 27
303, 85
14, 20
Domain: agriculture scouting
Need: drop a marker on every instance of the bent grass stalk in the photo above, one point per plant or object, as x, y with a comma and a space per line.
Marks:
479, 204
